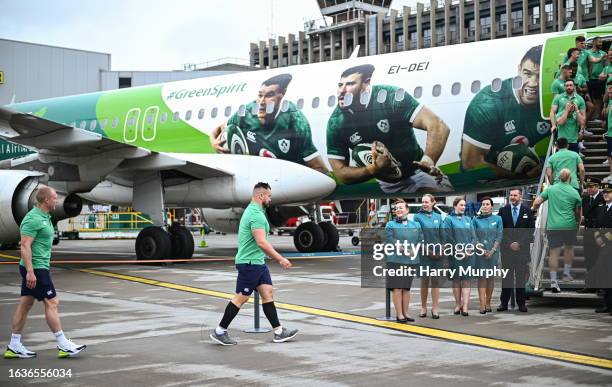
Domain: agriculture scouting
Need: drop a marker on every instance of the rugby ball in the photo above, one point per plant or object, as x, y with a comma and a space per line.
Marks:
362, 156
235, 140
518, 158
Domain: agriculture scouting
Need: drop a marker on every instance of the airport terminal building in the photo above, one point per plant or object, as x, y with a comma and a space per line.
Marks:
379, 29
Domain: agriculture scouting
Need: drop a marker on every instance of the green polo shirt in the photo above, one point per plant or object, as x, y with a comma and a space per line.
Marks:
253, 218
569, 129
565, 158
37, 224
562, 200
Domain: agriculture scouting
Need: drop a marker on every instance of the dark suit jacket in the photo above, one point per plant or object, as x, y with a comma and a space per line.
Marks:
589, 210
522, 232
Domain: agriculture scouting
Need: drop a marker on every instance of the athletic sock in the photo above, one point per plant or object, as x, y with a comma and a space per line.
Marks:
15, 338
566, 269
553, 275
278, 330
62, 340
270, 311
220, 331
231, 311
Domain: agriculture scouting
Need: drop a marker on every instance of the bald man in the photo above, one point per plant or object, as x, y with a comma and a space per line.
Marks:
36, 240
564, 211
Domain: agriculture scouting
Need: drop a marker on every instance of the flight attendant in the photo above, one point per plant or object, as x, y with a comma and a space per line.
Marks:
489, 233
430, 222
458, 230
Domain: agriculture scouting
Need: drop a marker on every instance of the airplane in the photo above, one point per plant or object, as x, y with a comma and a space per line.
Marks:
448, 120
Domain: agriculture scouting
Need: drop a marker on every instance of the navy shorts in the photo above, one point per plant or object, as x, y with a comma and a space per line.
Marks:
609, 141
44, 286
250, 277
573, 146
596, 89
558, 238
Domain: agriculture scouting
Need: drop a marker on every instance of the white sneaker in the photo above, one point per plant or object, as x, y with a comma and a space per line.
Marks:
581, 146
554, 286
72, 350
606, 163
607, 179
586, 133
567, 278
18, 351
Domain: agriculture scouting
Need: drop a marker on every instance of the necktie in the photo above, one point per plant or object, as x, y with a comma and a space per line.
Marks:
514, 214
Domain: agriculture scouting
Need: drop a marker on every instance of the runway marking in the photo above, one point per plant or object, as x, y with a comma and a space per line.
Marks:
462, 338
211, 258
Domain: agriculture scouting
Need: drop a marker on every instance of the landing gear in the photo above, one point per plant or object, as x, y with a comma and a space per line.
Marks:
182, 242
311, 237
332, 237
308, 237
153, 243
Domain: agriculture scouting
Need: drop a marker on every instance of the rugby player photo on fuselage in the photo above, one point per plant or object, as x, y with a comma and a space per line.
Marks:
370, 135
504, 125
270, 127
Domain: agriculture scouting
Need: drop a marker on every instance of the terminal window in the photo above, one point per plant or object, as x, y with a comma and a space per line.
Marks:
125, 82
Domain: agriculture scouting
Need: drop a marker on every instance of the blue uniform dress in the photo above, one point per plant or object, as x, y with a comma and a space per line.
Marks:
458, 230
431, 224
410, 231
489, 229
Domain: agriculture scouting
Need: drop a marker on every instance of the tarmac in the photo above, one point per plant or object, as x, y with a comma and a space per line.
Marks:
149, 325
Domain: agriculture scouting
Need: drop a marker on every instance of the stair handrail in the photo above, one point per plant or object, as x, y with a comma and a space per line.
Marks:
539, 248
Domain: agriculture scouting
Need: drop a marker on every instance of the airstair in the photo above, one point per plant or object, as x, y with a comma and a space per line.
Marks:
539, 278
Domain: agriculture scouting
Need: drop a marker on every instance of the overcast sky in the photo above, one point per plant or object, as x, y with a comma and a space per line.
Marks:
156, 34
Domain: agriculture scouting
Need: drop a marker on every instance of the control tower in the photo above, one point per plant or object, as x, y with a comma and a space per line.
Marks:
345, 12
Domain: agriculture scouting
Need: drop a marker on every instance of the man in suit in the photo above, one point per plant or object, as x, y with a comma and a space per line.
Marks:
518, 234
603, 240
591, 201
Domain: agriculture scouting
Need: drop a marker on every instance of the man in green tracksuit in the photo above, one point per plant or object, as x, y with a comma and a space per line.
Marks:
384, 118
271, 127
36, 240
496, 119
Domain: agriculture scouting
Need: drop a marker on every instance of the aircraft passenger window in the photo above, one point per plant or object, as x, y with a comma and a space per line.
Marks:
175, 116
164, 117
284, 106
517, 82
131, 122
201, 114
115, 122
418, 92
399, 95
436, 91
496, 84
348, 99
103, 123
331, 100
83, 124
456, 88
255, 109
382, 96
92, 126
228, 111
188, 115
242, 111
213, 113
475, 87
300, 103
364, 98
315, 102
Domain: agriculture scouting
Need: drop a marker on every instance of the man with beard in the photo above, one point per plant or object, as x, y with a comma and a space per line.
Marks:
253, 273
496, 119
380, 120
567, 113
271, 128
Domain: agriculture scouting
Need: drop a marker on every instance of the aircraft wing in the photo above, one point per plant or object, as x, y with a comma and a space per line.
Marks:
95, 156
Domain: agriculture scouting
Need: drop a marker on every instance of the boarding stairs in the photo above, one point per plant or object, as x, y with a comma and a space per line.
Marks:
539, 277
